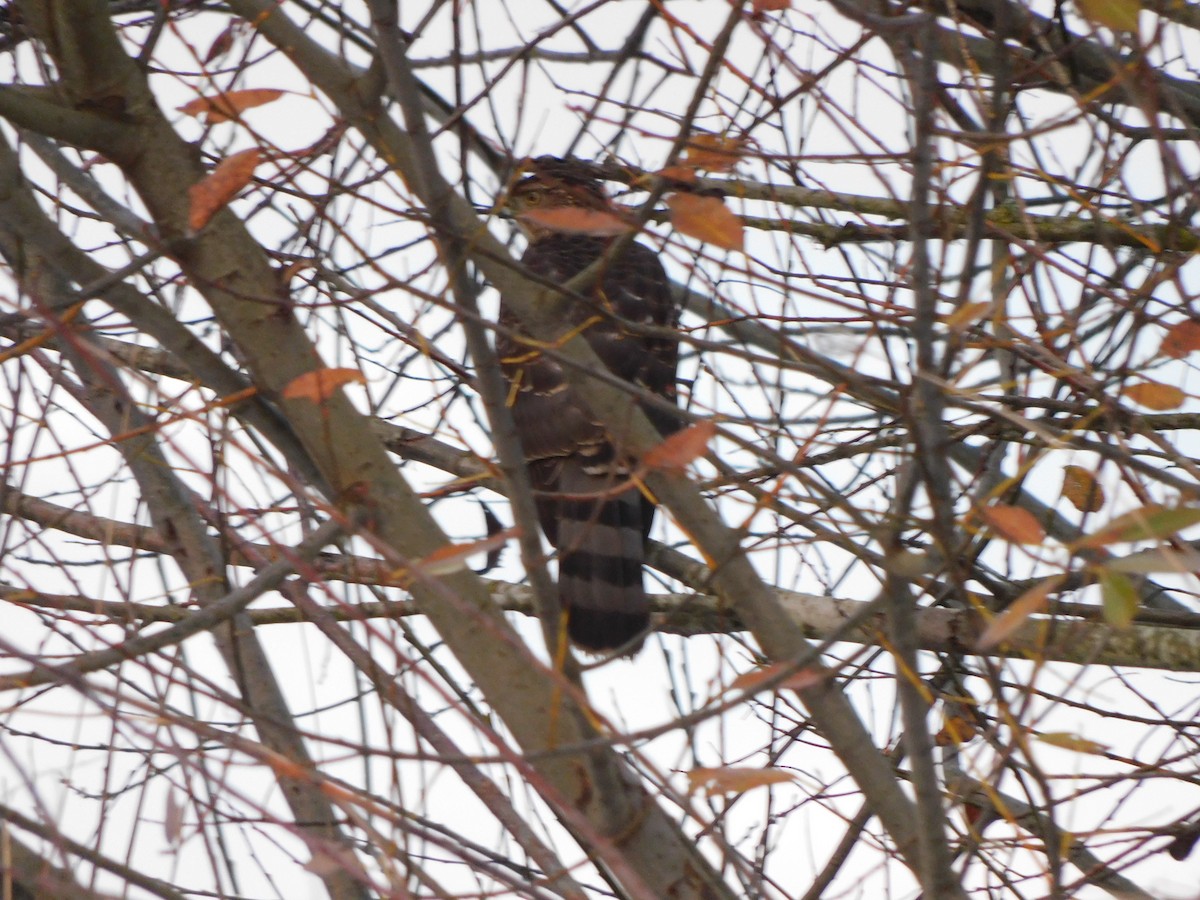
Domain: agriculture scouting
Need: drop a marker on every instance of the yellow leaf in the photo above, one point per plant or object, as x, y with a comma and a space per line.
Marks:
733, 780
1068, 741
1119, 15
1029, 603
1013, 523
220, 186
1153, 395
1146, 523
1119, 598
707, 219
966, 315
320, 384
1082, 489
680, 448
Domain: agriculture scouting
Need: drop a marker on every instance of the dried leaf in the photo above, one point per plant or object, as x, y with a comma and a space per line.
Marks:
1142, 524
320, 384
714, 152
577, 220
1013, 523
1153, 395
733, 780
1119, 15
809, 676
450, 558
799, 680
222, 185
1068, 741
967, 315
677, 451
678, 173
223, 42
959, 725
173, 819
1181, 339
708, 219
1081, 488
1013, 617
231, 104
1119, 598
749, 681
1156, 559
1030, 603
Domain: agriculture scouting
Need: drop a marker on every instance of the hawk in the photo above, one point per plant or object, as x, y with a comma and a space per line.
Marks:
591, 512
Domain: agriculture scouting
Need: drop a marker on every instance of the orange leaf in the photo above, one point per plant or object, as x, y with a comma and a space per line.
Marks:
678, 450
733, 780
230, 104
1013, 523
715, 152
319, 384
577, 220
1181, 339
221, 186
1032, 601
1082, 489
1154, 395
707, 219
958, 727
678, 173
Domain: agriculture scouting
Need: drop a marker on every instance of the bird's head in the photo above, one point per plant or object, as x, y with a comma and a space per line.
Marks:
554, 184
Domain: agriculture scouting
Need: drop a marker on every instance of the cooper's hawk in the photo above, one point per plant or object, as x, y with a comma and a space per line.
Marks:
590, 511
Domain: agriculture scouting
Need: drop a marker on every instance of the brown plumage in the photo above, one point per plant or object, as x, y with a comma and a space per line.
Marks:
596, 519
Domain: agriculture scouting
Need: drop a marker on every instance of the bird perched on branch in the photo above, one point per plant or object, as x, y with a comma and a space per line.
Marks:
593, 514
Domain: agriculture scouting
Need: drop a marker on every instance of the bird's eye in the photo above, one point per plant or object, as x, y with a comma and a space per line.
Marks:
531, 198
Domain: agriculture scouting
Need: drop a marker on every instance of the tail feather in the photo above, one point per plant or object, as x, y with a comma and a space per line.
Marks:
600, 553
